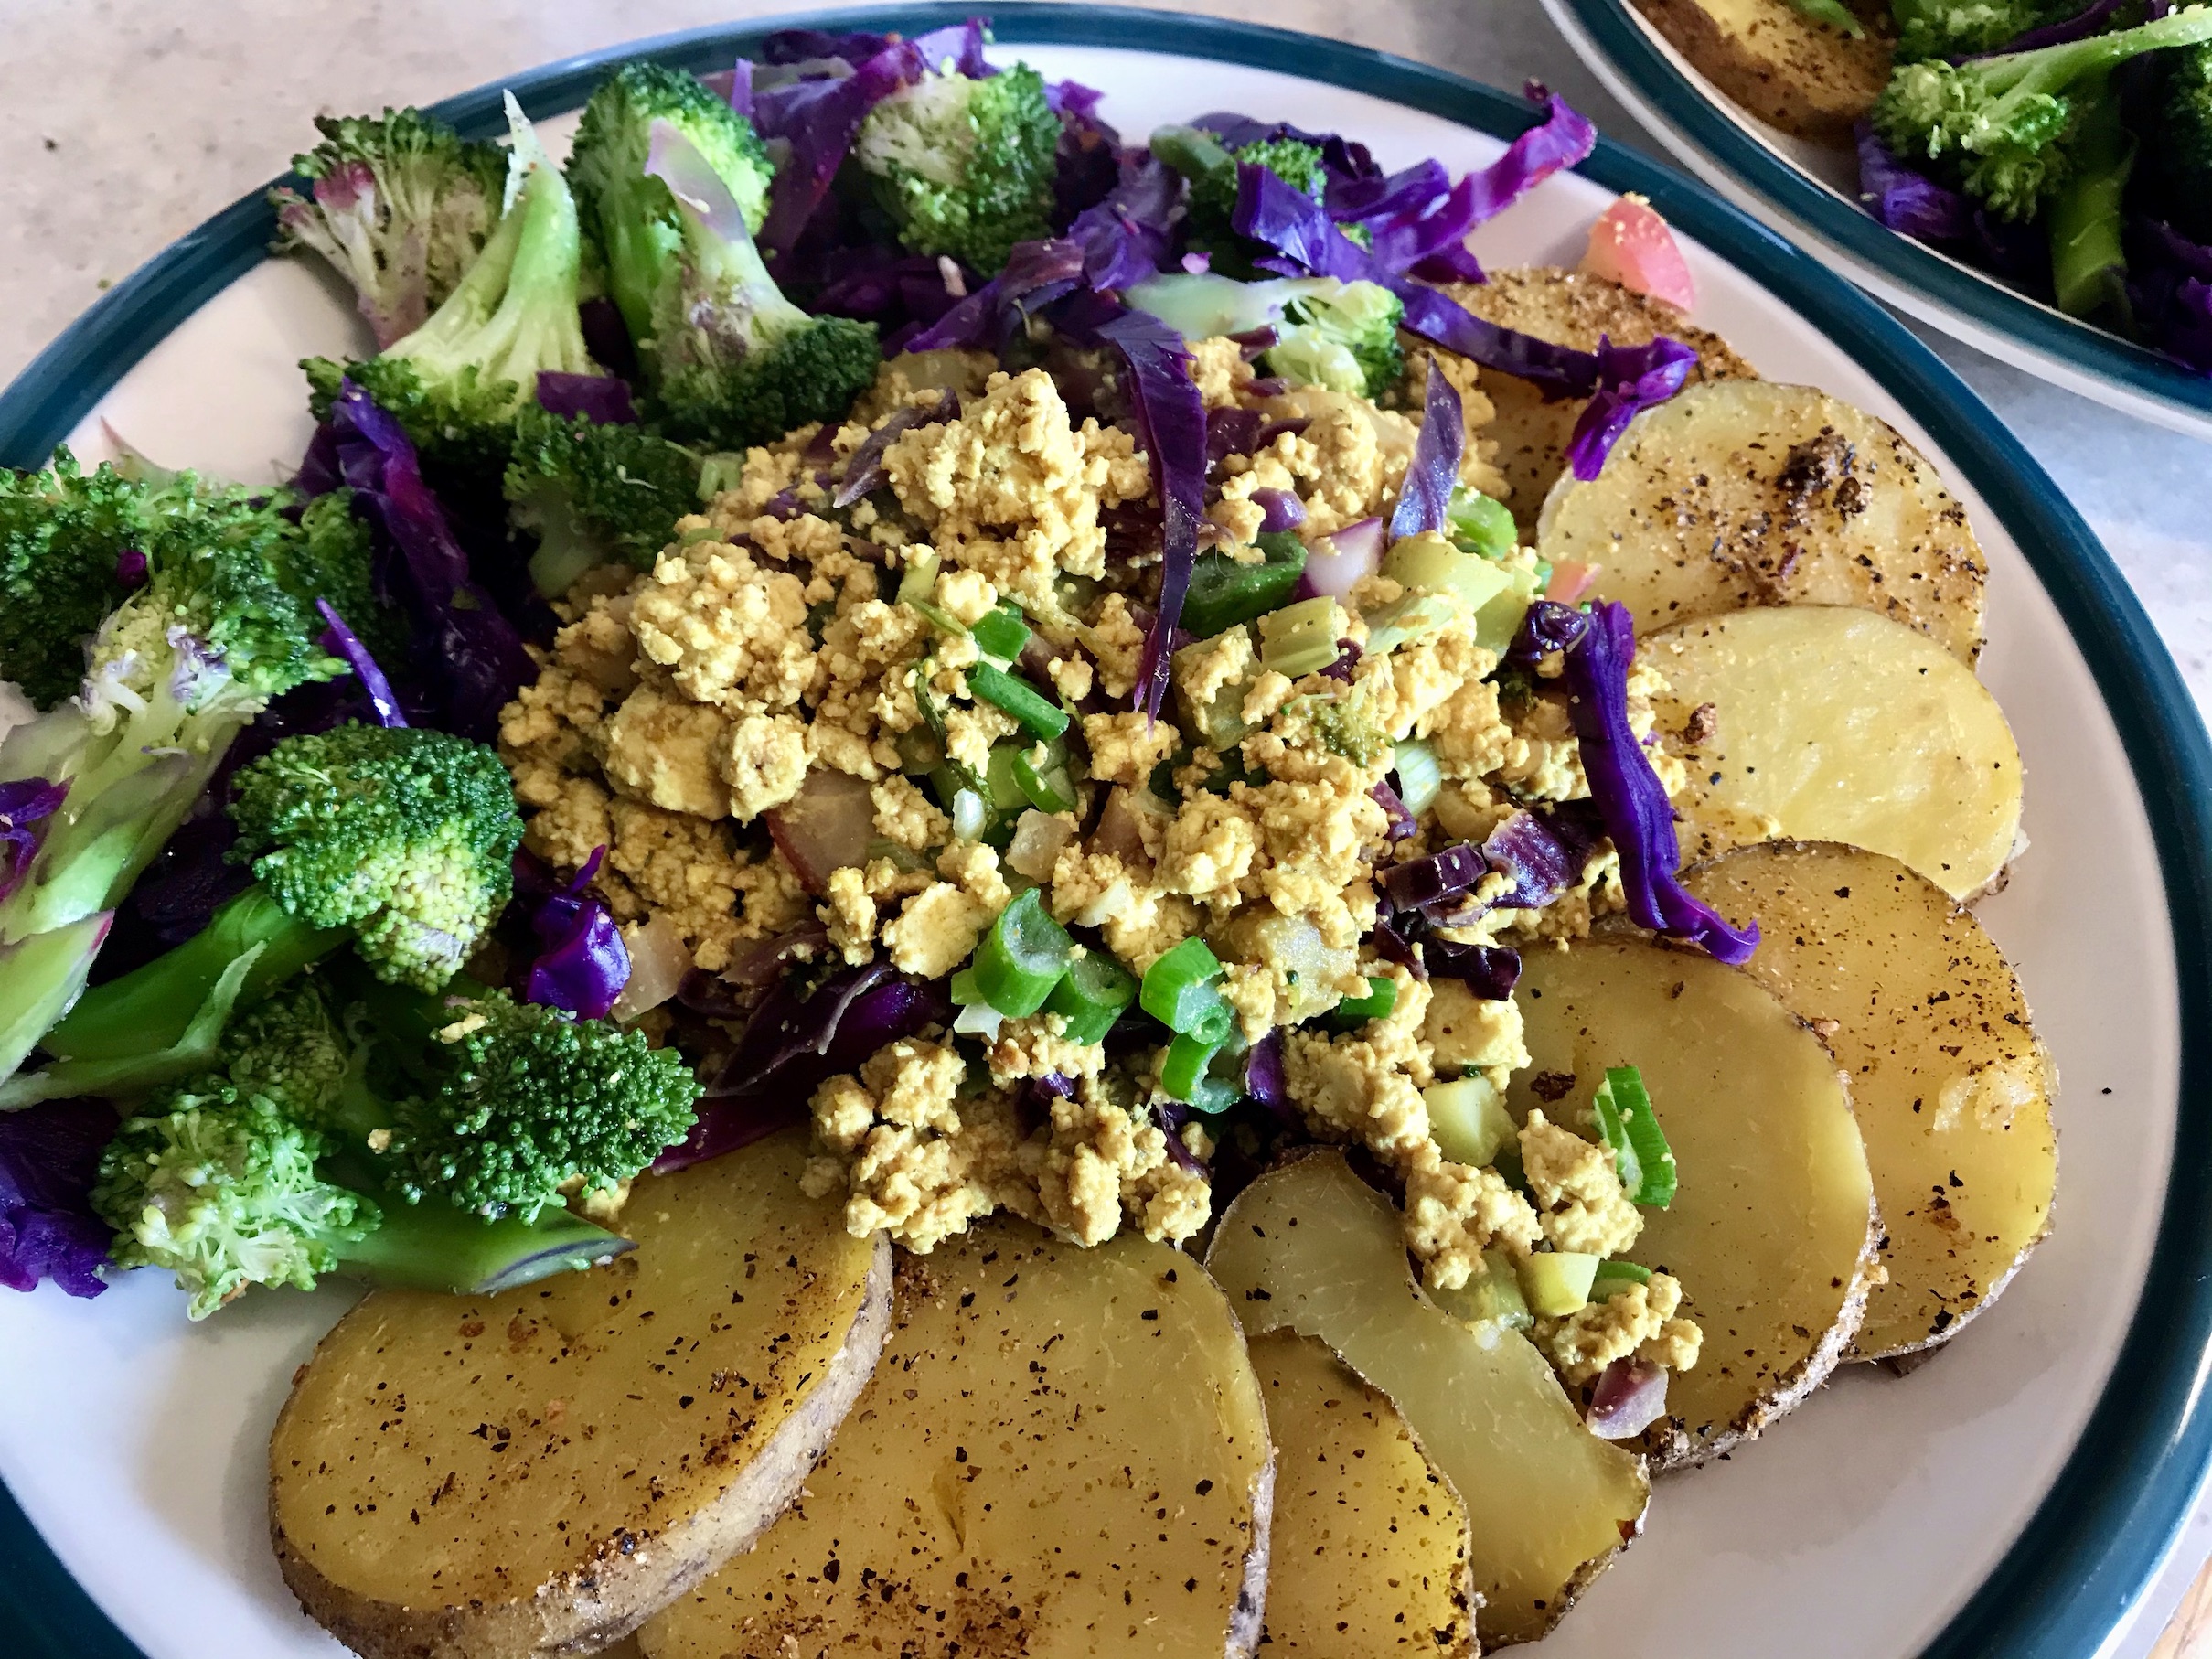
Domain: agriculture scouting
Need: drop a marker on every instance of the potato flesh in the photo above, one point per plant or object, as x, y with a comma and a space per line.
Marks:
1750, 493
1309, 1247
1951, 1087
1770, 1231
445, 1451
1056, 1442
1369, 1547
1834, 724
1804, 77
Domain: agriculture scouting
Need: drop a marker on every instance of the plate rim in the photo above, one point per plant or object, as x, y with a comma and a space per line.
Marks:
2100, 1535
1949, 296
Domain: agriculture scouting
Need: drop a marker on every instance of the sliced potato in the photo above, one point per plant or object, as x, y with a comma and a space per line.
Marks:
1568, 308
1747, 493
1772, 1231
1807, 78
1065, 1452
1368, 1548
1951, 1090
537, 1472
1309, 1247
1833, 725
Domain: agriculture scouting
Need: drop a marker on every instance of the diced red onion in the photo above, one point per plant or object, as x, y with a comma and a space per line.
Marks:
1438, 876
826, 826
1628, 1396
659, 961
1284, 510
1571, 579
1401, 822
1336, 563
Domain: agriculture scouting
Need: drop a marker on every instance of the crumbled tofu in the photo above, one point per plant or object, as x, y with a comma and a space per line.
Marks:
1125, 747
1466, 1032
1453, 1213
1577, 1190
1641, 1320
729, 631
936, 931
669, 752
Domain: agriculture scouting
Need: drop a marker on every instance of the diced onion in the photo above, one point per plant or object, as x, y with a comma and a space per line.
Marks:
659, 961
1038, 839
1335, 563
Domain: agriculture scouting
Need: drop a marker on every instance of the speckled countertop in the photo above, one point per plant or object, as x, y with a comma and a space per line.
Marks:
125, 122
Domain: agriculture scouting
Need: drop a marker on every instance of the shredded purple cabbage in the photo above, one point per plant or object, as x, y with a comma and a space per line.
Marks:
462, 637
1441, 875
1174, 1117
24, 801
1546, 626
817, 118
607, 337
341, 641
1491, 971
602, 397
1036, 275
1401, 822
131, 570
1170, 419
1563, 139
2079, 26
1903, 200
1630, 799
1263, 1079
902, 293
583, 964
1282, 508
1392, 946
49, 1158
1424, 499
1125, 239
1630, 380
1541, 854
2170, 291
864, 472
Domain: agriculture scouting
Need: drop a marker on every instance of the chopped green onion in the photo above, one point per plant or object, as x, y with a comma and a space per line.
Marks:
698, 533
939, 618
1023, 958
1224, 592
1491, 1297
1428, 562
1046, 786
1419, 776
920, 580
1557, 1283
1178, 990
1183, 1069
999, 781
1352, 1011
1467, 1120
1003, 691
1301, 638
1002, 634
1092, 996
1479, 525
1640, 1152
1614, 1276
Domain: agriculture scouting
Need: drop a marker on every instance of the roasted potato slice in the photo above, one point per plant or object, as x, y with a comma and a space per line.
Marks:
537, 1472
1066, 1452
1309, 1247
1749, 493
1368, 1548
1772, 1231
1808, 79
1568, 308
1951, 1090
1834, 724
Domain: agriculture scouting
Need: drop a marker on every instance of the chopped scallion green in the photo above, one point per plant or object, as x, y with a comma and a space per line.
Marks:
999, 779
1046, 784
1003, 691
1614, 1276
1640, 1152
1091, 997
1355, 1011
1182, 1072
1002, 633
1178, 990
1023, 958
1479, 525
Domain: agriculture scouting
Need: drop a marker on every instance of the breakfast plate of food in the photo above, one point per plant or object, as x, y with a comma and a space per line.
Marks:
881, 836
2026, 178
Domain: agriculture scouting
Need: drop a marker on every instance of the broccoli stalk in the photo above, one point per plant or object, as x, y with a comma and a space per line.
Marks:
456, 383
732, 362
632, 212
407, 1140
399, 206
212, 593
2088, 266
398, 839
595, 493
2006, 125
963, 167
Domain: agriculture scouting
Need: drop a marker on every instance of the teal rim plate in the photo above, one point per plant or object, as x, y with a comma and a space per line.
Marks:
2120, 1491
1767, 172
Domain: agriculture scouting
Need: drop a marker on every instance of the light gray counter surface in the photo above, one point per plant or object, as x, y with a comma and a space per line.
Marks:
125, 122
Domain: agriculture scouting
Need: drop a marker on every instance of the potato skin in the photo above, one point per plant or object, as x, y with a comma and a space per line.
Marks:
618, 1578
1808, 79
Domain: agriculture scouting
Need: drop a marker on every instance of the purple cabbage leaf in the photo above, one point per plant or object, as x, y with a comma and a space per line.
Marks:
1424, 499
49, 1158
1630, 380
583, 964
341, 642
24, 801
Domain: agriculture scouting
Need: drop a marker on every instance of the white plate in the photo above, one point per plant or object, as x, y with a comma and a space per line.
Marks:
1889, 1517
1812, 190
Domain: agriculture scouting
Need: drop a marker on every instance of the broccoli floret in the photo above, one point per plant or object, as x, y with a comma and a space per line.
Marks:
632, 212
457, 382
732, 362
336, 562
1345, 340
61, 533
292, 1050
596, 494
1211, 168
1963, 28
400, 204
2002, 126
220, 1187
522, 1098
963, 167
2179, 160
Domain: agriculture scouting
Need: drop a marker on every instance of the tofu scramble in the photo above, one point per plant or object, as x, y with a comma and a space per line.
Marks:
796, 678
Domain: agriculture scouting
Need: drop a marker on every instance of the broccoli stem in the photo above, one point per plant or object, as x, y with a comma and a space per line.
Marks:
2056, 70
133, 1073
151, 1008
2088, 265
42, 976
433, 1245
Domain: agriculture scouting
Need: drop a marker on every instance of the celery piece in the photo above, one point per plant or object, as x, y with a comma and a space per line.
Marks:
1467, 1118
1406, 619
1419, 776
1491, 1297
1301, 638
1499, 620
1427, 562
1557, 1283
